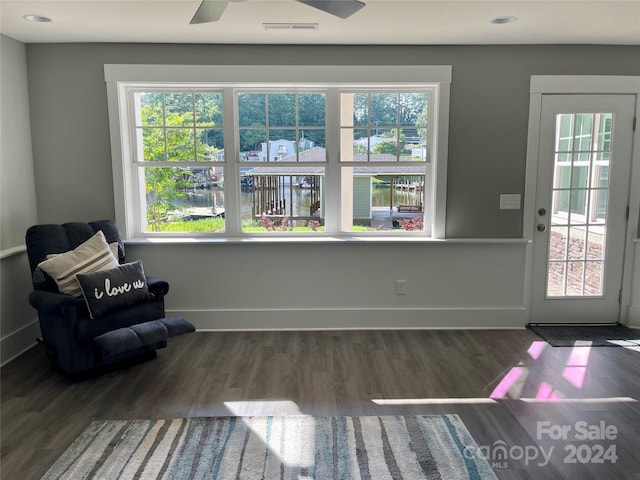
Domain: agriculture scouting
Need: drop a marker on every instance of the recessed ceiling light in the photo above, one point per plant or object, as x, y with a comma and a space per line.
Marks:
503, 20
36, 18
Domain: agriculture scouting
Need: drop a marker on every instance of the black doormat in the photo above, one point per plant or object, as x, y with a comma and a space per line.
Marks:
598, 335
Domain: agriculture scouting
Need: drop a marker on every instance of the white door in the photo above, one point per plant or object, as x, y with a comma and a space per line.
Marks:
582, 192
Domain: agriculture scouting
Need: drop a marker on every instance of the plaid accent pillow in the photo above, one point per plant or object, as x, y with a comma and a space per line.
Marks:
92, 256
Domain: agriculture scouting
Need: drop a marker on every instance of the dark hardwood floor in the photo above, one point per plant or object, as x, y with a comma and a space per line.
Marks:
355, 373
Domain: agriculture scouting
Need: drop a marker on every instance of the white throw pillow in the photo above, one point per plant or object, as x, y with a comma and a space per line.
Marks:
93, 255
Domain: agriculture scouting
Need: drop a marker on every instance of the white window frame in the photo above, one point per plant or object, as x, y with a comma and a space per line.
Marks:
121, 78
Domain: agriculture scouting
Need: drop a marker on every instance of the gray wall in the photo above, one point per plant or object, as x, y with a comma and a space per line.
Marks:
18, 194
488, 122
17, 201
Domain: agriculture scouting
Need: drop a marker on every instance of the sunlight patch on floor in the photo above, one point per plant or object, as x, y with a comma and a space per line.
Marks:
521, 381
430, 401
263, 407
580, 400
479, 401
536, 349
576, 368
509, 383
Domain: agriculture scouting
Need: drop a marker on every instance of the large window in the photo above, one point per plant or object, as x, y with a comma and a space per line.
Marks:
273, 157
177, 145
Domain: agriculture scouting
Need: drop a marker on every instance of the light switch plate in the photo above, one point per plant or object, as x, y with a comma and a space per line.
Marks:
510, 201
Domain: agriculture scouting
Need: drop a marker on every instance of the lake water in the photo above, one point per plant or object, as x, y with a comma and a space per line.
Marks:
301, 199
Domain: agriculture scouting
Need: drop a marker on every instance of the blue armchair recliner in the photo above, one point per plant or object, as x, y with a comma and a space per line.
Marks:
75, 342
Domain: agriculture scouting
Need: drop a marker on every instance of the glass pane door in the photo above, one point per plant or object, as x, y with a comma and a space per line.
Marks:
580, 191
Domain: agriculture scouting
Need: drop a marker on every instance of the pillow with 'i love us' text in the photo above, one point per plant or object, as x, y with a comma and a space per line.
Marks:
113, 289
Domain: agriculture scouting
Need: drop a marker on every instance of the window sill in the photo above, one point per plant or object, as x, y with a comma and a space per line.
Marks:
346, 239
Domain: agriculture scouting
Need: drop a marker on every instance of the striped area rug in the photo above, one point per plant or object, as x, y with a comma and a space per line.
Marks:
292, 447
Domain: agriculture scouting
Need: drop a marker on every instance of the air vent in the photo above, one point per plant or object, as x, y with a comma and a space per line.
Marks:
291, 26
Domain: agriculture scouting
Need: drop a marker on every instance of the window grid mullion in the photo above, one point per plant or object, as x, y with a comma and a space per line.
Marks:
194, 130
297, 127
164, 127
231, 164
333, 198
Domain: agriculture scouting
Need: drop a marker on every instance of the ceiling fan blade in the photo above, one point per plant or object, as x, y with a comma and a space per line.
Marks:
339, 8
209, 11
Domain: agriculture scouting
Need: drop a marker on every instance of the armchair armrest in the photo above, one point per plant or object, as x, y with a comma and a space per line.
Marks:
157, 286
53, 302
58, 315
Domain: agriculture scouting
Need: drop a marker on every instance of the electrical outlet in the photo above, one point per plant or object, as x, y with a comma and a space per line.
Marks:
401, 287
510, 201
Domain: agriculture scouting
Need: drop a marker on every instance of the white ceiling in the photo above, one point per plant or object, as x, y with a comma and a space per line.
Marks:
401, 22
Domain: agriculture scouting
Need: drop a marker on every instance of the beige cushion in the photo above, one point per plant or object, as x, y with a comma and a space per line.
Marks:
93, 255
114, 246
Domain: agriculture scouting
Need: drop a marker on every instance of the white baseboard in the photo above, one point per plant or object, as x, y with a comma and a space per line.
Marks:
634, 316
19, 341
355, 318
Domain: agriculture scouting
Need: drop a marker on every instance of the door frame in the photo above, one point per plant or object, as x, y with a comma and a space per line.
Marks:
587, 85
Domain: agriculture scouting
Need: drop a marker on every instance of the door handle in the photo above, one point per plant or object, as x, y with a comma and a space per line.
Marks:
541, 227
